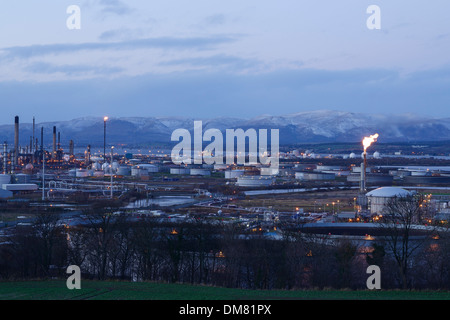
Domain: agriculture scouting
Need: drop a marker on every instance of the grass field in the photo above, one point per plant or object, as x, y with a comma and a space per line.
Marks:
112, 290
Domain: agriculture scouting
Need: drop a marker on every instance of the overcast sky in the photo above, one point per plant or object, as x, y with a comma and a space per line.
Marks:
210, 58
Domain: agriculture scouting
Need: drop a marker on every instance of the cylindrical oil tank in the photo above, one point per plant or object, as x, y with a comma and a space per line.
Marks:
123, 171
4, 179
179, 171
82, 173
200, 172
231, 174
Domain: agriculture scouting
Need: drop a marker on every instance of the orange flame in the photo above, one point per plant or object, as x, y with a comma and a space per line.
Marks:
367, 141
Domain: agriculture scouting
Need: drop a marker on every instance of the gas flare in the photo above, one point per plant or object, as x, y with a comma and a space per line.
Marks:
367, 141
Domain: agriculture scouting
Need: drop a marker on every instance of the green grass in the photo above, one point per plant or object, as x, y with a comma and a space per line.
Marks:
112, 290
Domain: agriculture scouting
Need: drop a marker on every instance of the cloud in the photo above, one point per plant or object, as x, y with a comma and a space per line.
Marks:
71, 70
195, 43
121, 34
215, 19
116, 7
231, 63
208, 94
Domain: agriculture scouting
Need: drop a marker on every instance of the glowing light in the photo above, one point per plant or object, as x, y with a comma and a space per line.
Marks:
367, 141
105, 119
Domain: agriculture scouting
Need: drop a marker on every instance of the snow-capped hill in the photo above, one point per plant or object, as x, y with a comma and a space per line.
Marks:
301, 127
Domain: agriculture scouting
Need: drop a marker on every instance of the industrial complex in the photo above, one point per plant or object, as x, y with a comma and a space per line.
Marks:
36, 173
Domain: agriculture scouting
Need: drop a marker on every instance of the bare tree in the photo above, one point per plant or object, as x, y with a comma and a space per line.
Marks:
50, 236
404, 231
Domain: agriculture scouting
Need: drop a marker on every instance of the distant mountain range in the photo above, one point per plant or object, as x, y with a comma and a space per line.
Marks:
303, 127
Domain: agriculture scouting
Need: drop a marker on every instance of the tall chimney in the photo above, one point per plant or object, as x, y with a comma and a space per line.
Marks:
71, 148
362, 187
54, 141
42, 139
16, 142
5, 158
32, 144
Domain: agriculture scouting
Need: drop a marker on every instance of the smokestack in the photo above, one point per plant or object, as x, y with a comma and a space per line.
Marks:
54, 141
71, 148
32, 150
362, 187
16, 142
88, 155
42, 139
5, 158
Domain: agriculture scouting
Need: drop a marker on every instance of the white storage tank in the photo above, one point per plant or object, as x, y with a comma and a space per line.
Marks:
4, 179
270, 171
73, 172
220, 166
21, 178
96, 166
123, 171
232, 174
151, 168
99, 173
200, 172
82, 173
255, 181
179, 171
136, 171
115, 165
379, 198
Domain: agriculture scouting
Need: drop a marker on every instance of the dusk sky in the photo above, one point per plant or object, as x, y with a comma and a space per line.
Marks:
209, 58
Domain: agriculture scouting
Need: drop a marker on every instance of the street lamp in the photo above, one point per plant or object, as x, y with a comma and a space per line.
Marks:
104, 138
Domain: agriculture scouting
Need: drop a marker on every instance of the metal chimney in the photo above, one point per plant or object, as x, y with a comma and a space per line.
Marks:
32, 150
362, 186
5, 158
54, 141
16, 142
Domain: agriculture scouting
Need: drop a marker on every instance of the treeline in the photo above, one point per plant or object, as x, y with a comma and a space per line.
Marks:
198, 251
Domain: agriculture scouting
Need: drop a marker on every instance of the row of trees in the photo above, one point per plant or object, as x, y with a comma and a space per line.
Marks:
205, 251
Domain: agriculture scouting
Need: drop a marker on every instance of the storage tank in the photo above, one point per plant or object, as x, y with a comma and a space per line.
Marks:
21, 178
4, 179
151, 168
73, 172
82, 173
255, 181
123, 171
136, 171
179, 171
115, 165
200, 172
99, 173
220, 166
270, 171
96, 166
232, 174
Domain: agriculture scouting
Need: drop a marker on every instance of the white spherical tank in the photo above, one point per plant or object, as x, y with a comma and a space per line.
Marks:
96, 166
115, 165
